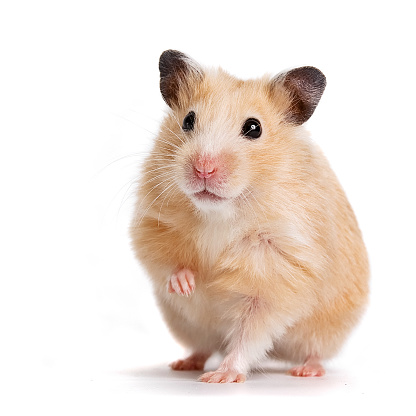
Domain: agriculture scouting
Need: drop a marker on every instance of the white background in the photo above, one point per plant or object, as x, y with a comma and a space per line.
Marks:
79, 98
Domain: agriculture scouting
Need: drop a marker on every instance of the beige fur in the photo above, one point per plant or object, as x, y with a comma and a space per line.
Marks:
280, 268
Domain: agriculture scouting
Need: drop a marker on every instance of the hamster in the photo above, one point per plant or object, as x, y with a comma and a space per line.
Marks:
248, 238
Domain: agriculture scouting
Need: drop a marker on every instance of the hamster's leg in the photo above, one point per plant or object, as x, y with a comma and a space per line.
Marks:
248, 342
182, 282
195, 361
310, 368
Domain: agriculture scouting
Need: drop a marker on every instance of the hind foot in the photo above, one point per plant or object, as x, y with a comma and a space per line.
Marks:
195, 361
311, 368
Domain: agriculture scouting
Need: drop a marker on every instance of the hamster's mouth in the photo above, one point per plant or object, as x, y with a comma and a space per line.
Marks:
208, 196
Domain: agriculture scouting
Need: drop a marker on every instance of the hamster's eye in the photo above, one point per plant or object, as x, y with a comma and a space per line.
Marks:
188, 122
251, 129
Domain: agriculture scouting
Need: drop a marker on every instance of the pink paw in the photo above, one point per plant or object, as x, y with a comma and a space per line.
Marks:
307, 370
186, 365
223, 377
194, 362
182, 282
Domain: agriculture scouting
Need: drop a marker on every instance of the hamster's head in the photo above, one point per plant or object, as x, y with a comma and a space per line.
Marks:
224, 140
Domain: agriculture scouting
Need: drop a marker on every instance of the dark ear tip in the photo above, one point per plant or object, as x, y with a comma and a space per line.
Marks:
312, 70
169, 54
308, 74
177, 72
167, 58
316, 75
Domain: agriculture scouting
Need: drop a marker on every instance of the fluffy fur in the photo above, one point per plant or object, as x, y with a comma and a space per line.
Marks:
280, 267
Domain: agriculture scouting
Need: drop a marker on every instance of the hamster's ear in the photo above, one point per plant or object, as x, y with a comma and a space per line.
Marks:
178, 74
305, 86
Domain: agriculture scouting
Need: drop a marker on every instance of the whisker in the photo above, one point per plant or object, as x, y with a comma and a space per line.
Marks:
258, 203
157, 121
100, 171
252, 209
161, 156
137, 125
166, 159
145, 115
168, 152
153, 188
160, 167
182, 141
160, 210
151, 204
128, 184
177, 121
125, 197
168, 143
167, 203
162, 175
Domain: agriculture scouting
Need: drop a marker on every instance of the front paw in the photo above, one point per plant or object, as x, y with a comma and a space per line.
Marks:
227, 376
182, 282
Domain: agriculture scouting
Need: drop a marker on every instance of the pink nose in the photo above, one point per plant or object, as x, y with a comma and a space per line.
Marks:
205, 167
203, 172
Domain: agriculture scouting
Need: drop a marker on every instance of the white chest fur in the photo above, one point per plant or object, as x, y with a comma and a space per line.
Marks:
213, 237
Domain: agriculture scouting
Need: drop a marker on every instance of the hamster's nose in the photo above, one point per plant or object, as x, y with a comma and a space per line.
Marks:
203, 172
205, 167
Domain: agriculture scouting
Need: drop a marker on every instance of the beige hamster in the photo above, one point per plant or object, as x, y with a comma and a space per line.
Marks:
249, 240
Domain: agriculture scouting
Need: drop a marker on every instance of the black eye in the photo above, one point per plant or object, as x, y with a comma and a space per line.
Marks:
188, 122
251, 129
